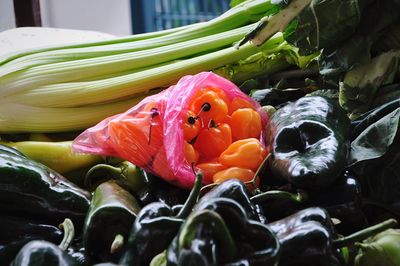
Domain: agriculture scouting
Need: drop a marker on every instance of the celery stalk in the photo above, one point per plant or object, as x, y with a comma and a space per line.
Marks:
111, 89
98, 66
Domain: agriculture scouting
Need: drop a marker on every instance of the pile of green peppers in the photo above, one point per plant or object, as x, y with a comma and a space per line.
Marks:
308, 210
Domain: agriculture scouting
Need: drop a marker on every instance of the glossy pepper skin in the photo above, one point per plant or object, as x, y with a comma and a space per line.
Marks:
278, 204
306, 238
158, 190
309, 141
343, 201
16, 231
33, 189
155, 227
236, 190
219, 232
111, 214
42, 253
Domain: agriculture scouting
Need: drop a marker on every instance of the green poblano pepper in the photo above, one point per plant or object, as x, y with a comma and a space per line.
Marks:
155, 227
110, 217
30, 188
41, 252
238, 191
381, 249
306, 238
309, 141
16, 231
219, 232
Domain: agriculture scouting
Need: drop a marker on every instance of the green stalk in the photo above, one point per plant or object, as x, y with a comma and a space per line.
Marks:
83, 93
16, 117
233, 18
87, 68
136, 37
364, 234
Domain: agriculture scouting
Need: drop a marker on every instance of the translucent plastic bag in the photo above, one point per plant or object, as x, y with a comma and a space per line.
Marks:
151, 134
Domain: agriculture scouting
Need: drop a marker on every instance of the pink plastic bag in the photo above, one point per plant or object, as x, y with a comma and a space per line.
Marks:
150, 134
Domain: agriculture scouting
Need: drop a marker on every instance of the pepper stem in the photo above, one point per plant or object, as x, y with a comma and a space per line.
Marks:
192, 199
117, 244
69, 233
300, 196
365, 233
253, 181
115, 171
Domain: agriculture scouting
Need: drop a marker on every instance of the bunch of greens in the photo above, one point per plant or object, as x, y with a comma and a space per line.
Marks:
359, 42
359, 45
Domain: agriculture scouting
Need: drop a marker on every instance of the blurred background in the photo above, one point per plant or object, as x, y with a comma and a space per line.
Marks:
117, 17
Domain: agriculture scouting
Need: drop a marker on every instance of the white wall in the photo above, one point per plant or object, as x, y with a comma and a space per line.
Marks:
109, 16
7, 20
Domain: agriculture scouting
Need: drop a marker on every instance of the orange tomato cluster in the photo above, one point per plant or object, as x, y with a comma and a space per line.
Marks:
222, 136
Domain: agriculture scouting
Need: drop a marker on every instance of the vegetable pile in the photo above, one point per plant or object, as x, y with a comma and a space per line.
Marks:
276, 143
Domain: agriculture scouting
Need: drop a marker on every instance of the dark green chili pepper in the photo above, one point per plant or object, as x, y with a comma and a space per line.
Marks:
309, 142
219, 232
77, 251
40, 252
109, 219
156, 189
278, 204
154, 228
16, 231
343, 201
30, 188
238, 191
308, 237
127, 174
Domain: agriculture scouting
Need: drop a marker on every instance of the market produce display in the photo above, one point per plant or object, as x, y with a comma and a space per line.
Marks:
266, 136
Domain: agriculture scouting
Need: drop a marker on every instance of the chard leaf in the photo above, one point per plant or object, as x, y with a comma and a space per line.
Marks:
376, 139
375, 157
360, 85
325, 24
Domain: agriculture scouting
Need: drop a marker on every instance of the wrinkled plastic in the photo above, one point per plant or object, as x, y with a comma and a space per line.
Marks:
150, 134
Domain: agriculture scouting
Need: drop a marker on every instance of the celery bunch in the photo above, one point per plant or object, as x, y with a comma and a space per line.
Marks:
72, 87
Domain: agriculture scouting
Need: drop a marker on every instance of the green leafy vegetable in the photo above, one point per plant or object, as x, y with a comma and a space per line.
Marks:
278, 56
375, 154
360, 85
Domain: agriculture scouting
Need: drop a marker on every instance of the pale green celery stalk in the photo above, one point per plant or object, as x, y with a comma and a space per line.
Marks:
83, 93
131, 38
233, 18
78, 70
15, 117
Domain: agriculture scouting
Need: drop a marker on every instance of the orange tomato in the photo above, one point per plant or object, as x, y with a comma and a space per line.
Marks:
246, 153
245, 123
